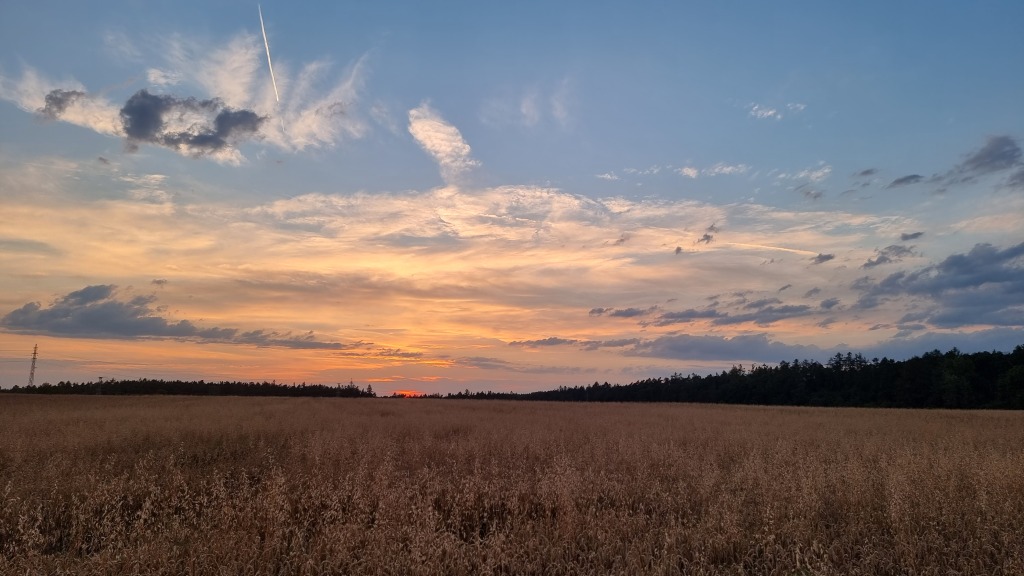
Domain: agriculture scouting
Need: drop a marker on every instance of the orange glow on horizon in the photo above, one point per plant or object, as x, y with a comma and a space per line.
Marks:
408, 393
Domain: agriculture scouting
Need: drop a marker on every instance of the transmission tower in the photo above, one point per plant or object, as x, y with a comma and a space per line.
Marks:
32, 370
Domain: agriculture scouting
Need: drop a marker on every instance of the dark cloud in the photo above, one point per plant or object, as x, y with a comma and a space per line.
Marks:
27, 246
981, 287
812, 292
631, 312
103, 161
598, 311
905, 181
757, 304
101, 311
686, 316
1016, 179
214, 126
159, 282
786, 287
621, 343
552, 341
829, 303
756, 348
910, 236
57, 101
679, 249
888, 255
713, 229
827, 322
822, 258
706, 239
809, 192
764, 316
998, 153
867, 172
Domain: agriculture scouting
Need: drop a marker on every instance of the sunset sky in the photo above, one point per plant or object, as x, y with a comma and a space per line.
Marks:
504, 196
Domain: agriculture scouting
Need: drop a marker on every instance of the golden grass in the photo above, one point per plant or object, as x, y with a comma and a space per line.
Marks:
173, 485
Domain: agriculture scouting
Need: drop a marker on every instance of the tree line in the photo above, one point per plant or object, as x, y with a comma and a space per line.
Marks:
993, 380
198, 388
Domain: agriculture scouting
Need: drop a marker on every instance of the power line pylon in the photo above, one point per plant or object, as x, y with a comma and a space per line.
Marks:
32, 370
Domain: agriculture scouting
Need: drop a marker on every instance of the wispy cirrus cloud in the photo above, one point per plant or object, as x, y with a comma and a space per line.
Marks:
194, 77
442, 141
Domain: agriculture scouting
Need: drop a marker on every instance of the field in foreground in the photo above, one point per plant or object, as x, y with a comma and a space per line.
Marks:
151, 485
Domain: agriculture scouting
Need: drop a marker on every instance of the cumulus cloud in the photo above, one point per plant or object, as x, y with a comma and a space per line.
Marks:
194, 127
888, 255
311, 114
752, 347
442, 141
998, 153
57, 101
552, 341
980, 287
686, 316
104, 311
905, 181
765, 315
67, 101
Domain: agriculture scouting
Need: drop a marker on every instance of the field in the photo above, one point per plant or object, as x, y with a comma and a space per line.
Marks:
188, 485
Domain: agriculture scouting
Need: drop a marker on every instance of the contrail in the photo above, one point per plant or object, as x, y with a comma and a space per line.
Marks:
269, 63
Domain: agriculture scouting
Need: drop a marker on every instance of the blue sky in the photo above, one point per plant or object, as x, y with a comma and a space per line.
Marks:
474, 195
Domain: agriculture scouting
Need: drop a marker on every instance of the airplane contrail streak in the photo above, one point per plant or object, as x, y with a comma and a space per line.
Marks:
267, 45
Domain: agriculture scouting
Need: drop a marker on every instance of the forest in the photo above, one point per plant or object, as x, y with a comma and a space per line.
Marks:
991, 380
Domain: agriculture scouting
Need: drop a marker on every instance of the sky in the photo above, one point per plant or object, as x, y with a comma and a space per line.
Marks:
517, 196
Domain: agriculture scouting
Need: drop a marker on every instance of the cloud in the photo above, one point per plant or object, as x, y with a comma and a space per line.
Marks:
187, 125
26, 246
888, 255
764, 112
752, 347
812, 292
810, 175
822, 258
904, 237
67, 101
1016, 179
102, 311
829, 303
706, 239
442, 141
552, 341
57, 101
686, 316
905, 181
608, 176
765, 315
717, 169
761, 303
867, 172
977, 288
998, 153
310, 114
786, 287
631, 312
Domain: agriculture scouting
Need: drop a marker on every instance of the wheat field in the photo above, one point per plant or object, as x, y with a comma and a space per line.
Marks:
190, 485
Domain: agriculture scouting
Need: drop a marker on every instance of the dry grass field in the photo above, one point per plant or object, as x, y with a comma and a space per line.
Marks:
182, 485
